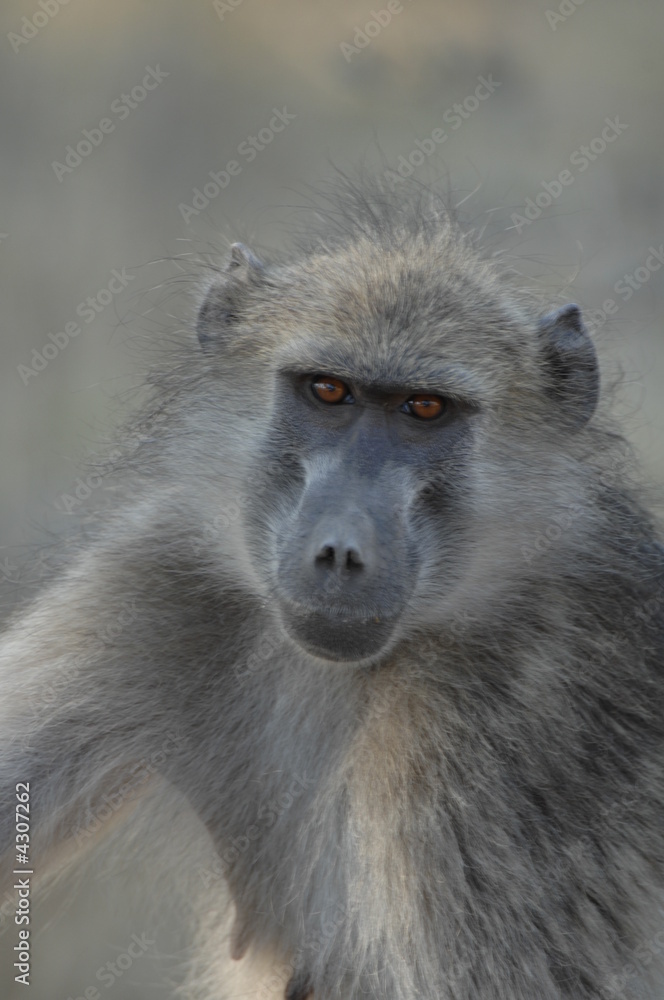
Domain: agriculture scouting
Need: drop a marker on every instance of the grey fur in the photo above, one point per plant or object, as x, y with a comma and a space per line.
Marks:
475, 810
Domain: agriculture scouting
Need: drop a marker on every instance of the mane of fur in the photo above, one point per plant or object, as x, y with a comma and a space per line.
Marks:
477, 816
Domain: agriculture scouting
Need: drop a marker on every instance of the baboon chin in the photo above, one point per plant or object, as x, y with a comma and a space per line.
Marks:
347, 639
378, 595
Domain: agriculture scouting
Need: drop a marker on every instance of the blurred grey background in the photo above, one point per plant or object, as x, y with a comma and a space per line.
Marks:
115, 114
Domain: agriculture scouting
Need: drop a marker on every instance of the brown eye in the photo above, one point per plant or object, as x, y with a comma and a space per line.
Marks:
425, 407
330, 390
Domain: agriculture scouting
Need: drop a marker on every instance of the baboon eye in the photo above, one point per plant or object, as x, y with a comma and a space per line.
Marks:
331, 390
425, 407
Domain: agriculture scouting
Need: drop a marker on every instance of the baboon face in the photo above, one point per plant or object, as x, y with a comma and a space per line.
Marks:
387, 378
376, 451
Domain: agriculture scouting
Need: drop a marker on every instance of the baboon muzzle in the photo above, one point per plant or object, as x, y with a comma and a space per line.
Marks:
343, 576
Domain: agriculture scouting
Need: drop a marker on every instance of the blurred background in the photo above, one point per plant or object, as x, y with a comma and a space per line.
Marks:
140, 136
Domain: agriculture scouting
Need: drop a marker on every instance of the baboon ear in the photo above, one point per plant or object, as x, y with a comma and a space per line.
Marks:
224, 299
570, 363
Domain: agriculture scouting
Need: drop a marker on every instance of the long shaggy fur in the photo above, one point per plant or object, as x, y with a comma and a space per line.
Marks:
476, 815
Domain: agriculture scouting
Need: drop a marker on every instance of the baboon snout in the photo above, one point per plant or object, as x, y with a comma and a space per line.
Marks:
343, 580
336, 560
342, 548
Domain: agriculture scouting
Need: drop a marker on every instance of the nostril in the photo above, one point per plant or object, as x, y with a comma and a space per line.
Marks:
339, 557
326, 555
353, 559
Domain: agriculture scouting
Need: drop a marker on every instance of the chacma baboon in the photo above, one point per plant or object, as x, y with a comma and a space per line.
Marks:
384, 598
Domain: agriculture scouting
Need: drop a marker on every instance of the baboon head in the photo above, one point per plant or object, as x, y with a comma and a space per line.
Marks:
394, 396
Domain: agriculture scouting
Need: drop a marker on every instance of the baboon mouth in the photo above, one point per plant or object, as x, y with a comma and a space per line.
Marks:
340, 637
